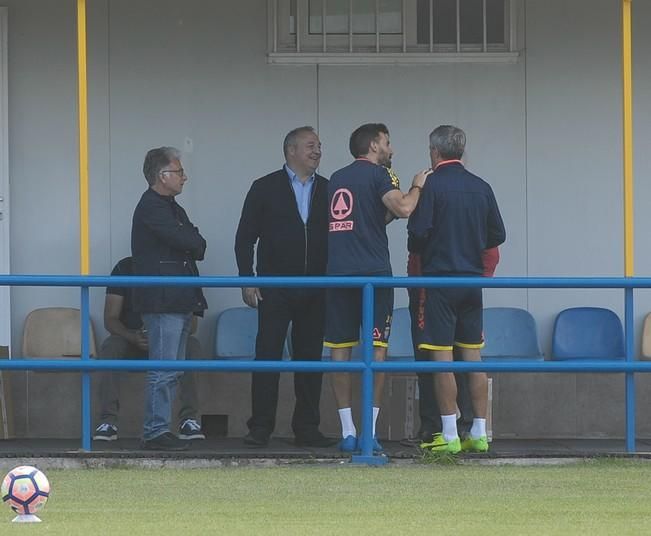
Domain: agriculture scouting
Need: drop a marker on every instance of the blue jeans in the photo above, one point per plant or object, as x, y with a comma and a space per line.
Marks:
168, 335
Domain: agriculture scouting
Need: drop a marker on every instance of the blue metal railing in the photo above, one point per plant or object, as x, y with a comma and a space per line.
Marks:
367, 367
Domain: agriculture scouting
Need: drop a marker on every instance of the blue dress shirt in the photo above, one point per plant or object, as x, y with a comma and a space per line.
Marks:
303, 192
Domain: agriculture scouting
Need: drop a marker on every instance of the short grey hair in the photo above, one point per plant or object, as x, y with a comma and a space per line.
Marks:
156, 160
292, 137
449, 141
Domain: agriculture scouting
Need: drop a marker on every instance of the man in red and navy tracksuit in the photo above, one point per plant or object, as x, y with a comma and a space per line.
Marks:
456, 221
428, 409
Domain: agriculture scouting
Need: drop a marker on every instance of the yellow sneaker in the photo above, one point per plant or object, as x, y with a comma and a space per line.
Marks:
474, 445
440, 444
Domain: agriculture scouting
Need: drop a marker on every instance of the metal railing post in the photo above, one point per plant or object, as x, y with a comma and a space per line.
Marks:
350, 25
458, 25
366, 457
85, 376
629, 338
324, 16
377, 26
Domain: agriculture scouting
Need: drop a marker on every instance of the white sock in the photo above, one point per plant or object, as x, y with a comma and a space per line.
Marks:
376, 412
478, 428
347, 424
449, 423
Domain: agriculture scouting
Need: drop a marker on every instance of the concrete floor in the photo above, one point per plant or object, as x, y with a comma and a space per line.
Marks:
282, 448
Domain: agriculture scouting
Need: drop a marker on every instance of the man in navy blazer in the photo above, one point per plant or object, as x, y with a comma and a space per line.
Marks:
285, 218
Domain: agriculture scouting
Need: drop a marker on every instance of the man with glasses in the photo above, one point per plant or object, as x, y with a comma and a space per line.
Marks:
164, 243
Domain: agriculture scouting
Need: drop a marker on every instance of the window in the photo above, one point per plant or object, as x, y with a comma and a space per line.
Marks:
370, 31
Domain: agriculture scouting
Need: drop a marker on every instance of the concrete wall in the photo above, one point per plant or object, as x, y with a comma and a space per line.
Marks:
150, 87
574, 170
545, 132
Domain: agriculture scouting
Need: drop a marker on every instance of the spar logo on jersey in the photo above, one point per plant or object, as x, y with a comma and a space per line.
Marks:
341, 207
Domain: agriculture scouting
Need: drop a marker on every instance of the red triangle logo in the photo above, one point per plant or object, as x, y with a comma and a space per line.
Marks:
340, 205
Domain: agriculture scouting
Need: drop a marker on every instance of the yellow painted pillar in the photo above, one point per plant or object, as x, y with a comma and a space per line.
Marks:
84, 245
627, 77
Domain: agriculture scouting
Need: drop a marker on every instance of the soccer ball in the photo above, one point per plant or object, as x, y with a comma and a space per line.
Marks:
25, 489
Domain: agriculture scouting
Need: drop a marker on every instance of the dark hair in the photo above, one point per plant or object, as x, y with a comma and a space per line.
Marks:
156, 160
293, 135
360, 140
449, 141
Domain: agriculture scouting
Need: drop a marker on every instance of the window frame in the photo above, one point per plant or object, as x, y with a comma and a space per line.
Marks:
301, 47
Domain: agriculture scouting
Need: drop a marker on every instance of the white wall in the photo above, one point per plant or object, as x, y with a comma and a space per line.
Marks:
412, 100
42, 150
192, 81
545, 132
642, 157
574, 150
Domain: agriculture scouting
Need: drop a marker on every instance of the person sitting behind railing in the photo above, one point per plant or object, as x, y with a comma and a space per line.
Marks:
128, 340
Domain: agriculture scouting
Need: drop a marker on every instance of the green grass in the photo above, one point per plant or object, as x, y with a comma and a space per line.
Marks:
604, 497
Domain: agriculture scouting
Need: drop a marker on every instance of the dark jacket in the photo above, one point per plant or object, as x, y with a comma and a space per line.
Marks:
456, 220
286, 246
164, 242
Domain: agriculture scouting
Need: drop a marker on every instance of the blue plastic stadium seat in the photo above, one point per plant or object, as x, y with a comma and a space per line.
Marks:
588, 333
400, 344
235, 333
510, 333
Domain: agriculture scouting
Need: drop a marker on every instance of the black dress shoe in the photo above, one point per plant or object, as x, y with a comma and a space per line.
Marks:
256, 440
426, 436
314, 440
167, 441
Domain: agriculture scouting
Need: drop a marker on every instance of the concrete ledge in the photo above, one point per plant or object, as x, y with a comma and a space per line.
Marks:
65, 454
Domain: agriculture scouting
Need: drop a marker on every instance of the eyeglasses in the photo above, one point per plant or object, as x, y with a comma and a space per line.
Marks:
180, 171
